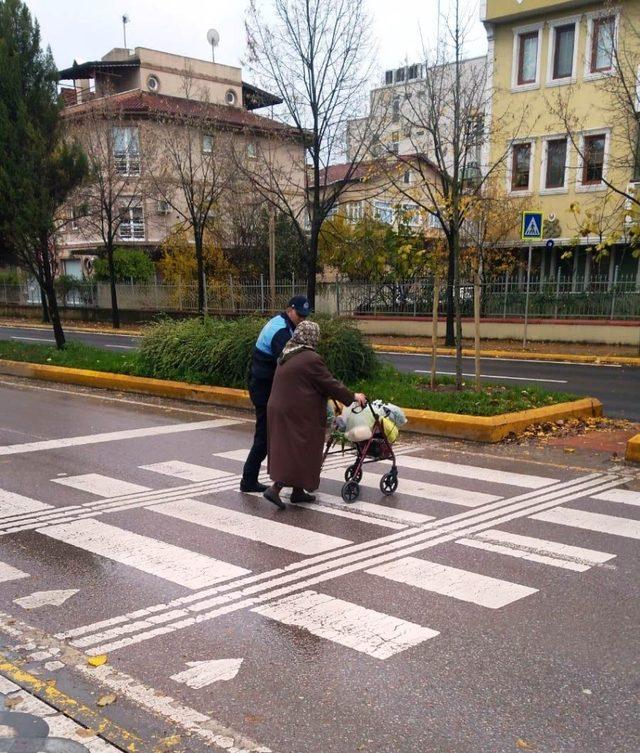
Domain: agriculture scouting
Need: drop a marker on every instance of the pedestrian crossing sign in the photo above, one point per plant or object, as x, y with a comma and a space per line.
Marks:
531, 226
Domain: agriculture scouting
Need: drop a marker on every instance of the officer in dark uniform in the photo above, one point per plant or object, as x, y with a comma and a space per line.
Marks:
274, 336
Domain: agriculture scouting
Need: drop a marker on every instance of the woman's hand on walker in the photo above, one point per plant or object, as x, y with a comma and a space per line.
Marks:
361, 398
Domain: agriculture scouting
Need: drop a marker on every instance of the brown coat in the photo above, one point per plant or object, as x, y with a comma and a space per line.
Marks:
297, 418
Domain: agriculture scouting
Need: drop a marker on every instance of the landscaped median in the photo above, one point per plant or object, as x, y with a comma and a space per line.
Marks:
437, 423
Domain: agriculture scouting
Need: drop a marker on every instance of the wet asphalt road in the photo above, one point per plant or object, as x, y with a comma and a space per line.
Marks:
618, 387
422, 622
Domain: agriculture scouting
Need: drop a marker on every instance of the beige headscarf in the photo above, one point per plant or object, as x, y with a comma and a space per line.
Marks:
305, 337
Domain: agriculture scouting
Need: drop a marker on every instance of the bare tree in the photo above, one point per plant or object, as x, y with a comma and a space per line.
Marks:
189, 165
449, 157
315, 55
112, 194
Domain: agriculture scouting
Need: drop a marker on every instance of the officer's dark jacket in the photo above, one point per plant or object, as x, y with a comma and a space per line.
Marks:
275, 334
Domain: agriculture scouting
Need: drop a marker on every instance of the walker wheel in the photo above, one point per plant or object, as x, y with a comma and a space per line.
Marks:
350, 491
389, 483
350, 474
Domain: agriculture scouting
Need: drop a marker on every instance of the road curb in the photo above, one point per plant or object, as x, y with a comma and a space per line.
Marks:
200, 393
475, 428
515, 355
632, 454
70, 707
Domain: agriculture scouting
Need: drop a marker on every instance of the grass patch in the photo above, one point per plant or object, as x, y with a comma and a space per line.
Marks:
190, 365
75, 355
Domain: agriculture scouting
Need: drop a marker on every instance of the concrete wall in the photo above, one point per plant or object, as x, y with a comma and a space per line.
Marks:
605, 332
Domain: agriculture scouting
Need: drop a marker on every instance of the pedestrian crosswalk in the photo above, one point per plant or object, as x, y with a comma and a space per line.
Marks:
184, 533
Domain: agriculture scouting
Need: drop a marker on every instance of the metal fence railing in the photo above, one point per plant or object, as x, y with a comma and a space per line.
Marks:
555, 298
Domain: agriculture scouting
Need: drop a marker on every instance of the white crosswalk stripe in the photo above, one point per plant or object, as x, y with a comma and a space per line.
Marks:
544, 552
623, 496
281, 535
7, 573
452, 581
186, 471
189, 569
12, 504
373, 633
101, 486
591, 521
474, 472
423, 490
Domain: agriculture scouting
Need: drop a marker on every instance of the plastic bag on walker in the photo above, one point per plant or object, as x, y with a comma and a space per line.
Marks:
359, 422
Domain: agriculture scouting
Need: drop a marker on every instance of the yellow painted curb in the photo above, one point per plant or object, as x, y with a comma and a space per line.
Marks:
72, 328
475, 428
633, 450
515, 355
79, 712
200, 393
496, 428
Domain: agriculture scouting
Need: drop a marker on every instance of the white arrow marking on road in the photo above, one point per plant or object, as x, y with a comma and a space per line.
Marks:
45, 599
203, 673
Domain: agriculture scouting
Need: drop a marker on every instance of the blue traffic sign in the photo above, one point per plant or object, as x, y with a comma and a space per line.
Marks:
531, 226
550, 243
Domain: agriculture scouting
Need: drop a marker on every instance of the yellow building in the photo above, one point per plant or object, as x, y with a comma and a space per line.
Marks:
560, 128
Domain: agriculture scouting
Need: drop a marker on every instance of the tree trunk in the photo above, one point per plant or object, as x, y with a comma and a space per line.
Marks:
311, 269
449, 340
115, 312
202, 281
476, 322
434, 328
46, 319
50, 292
455, 247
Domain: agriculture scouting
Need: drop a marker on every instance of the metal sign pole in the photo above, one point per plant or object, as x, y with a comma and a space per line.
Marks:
526, 304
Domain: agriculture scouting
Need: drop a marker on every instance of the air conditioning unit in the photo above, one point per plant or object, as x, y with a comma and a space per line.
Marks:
163, 207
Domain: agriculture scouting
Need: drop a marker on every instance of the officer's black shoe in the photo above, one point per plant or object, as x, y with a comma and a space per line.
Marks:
299, 496
252, 486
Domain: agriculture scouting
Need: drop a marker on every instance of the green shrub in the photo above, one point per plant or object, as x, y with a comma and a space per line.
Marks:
131, 265
10, 277
218, 351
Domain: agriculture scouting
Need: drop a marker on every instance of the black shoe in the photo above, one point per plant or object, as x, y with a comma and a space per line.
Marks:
273, 496
252, 486
298, 497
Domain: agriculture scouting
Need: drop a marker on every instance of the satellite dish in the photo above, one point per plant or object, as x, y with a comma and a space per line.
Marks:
214, 40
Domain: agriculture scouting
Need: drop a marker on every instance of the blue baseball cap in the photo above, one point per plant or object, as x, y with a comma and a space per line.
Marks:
300, 304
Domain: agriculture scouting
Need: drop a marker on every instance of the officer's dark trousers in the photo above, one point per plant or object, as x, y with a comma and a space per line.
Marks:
258, 451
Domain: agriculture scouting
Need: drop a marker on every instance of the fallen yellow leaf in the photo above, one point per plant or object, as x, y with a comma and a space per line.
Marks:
97, 661
569, 449
524, 744
106, 700
82, 732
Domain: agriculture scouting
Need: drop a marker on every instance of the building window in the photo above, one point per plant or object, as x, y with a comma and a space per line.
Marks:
395, 141
556, 163
354, 211
252, 150
126, 151
527, 58
602, 41
400, 74
563, 48
76, 214
207, 143
407, 177
388, 77
131, 222
593, 159
383, 211
395, 114
230, 97
521, 167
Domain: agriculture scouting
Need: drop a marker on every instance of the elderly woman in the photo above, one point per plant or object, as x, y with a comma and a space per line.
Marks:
297, 415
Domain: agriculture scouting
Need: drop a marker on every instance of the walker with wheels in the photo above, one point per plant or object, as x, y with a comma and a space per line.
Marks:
372, 450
